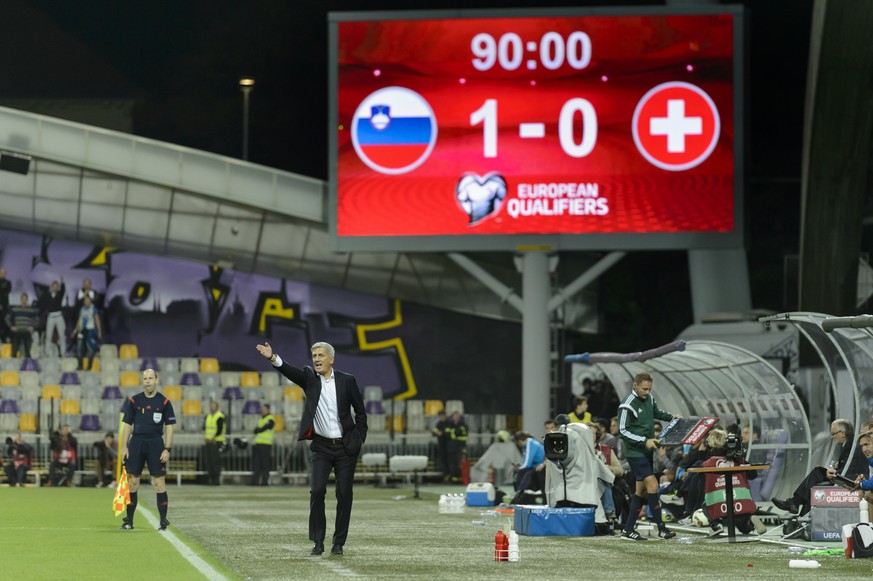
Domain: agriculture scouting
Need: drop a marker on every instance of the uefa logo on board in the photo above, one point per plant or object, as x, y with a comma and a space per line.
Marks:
394, 130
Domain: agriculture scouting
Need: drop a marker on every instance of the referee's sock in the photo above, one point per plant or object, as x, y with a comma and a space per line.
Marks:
131, 508
655, 506
637, 503
162, 505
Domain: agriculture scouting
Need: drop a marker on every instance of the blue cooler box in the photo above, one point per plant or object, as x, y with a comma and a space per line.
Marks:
480, 494
542, 521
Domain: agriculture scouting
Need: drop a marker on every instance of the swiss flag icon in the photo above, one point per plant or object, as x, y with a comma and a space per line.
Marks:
676, 126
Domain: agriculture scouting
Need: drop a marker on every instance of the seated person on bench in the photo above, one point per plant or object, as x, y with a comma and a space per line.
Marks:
843, 433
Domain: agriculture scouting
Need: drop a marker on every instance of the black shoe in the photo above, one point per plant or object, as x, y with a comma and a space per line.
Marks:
318, 549
164, 524
632, 536
336, 550
126, 525
665, 533
788, 505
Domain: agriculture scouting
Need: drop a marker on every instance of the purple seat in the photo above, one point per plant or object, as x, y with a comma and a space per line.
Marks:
112, 392
90, 423
190, 379
232, 393
8, 406
29, 364
149, 363
70, 378
374, 407
252, 407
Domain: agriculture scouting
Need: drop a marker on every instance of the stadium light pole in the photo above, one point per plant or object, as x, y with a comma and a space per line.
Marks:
246, 84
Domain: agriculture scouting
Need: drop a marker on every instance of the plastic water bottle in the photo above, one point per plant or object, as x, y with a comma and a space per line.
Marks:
796, 550
444, 504
513, 547
863, 515
803, 564
478, 523
685, 541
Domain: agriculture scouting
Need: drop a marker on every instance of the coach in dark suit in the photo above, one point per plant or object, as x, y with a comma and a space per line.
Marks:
336, 436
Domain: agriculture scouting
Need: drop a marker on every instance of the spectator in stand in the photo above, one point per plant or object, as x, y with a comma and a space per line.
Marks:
843, 433
439, 432
54, 318
531, 475
64, 449
23, 319
457, 431
20, 455
5, 289
88, 331
107, 457
580, 413
86, 291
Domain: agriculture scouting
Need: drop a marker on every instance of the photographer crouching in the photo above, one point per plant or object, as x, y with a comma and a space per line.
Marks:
65, 452
20, 456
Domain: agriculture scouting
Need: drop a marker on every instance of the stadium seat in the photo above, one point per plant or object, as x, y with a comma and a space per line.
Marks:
396, 422
210, 379
273, 393
232, 393
90, 406
269, 378
432, 407
128, 351
454, 405
414, 407
29, 364
90, 423
134, 364
189, 378
8, 422
12, 392
229, 379
374, 407
168, 364
129, 379
189, 365
279, 423
95, 366
51, 392
6, 351
372, 393
27, 423
69, 378
28, 378
252, 407
294, 393
112, 392
8, 406
108, 351
9, 378
249, 379
149, 363
172, 392
69, 364
71, 392
209, 365
192, 392
30, 393
70, 407
191, 407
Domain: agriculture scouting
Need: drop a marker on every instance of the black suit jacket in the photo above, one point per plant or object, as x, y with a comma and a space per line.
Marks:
857, 464
348, 397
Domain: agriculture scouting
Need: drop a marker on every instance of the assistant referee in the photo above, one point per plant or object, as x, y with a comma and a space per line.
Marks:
145, 416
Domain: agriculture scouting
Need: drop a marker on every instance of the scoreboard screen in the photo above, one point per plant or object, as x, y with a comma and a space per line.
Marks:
589, 130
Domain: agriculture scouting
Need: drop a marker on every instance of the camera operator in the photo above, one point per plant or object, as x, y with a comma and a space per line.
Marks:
20, 454
64, 455
726, 449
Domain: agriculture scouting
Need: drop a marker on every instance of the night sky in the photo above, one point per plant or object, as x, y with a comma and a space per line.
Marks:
181, 62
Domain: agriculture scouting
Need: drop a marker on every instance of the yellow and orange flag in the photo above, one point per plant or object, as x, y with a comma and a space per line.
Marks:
122, 494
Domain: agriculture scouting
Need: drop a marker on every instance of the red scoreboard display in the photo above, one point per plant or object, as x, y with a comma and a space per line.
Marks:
585, 130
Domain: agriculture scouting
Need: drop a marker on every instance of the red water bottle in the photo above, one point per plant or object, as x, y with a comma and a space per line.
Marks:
501, 546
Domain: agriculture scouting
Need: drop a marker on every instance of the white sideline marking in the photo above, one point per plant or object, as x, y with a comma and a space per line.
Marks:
326, 561
205, 568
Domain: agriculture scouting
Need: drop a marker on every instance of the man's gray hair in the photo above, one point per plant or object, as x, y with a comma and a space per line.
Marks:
331, 352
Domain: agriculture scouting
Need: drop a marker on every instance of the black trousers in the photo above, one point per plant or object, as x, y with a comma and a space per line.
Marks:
804, 489
212, 462
327, 457
261, 464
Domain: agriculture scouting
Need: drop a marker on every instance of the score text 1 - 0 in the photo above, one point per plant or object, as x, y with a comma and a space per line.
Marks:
551, 51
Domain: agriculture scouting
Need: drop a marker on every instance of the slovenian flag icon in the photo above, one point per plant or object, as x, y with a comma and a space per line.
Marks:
394, 130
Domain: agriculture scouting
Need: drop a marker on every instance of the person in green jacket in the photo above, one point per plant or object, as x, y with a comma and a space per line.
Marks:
636, 419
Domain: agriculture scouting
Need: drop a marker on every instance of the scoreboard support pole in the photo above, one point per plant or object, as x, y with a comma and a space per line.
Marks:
535, 343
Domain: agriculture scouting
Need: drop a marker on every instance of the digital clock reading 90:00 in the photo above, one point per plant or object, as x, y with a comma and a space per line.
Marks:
454, 129
509, 51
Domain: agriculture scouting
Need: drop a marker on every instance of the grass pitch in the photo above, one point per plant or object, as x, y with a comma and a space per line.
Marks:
261, 533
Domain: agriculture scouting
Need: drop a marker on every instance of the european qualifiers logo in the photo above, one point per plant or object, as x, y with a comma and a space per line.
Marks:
394, 130
480, 197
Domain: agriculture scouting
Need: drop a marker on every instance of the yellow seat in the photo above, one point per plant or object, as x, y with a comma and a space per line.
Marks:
294, 393
432, 407
173, 392
279, 423
250, 379
6, 351
70, 407
209, 365
128, 351
191, 407
27, 423
9, 378
397, 420
51, 392
129, 378
95, 365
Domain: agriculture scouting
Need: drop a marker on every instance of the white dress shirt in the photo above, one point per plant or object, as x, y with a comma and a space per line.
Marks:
326, 422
